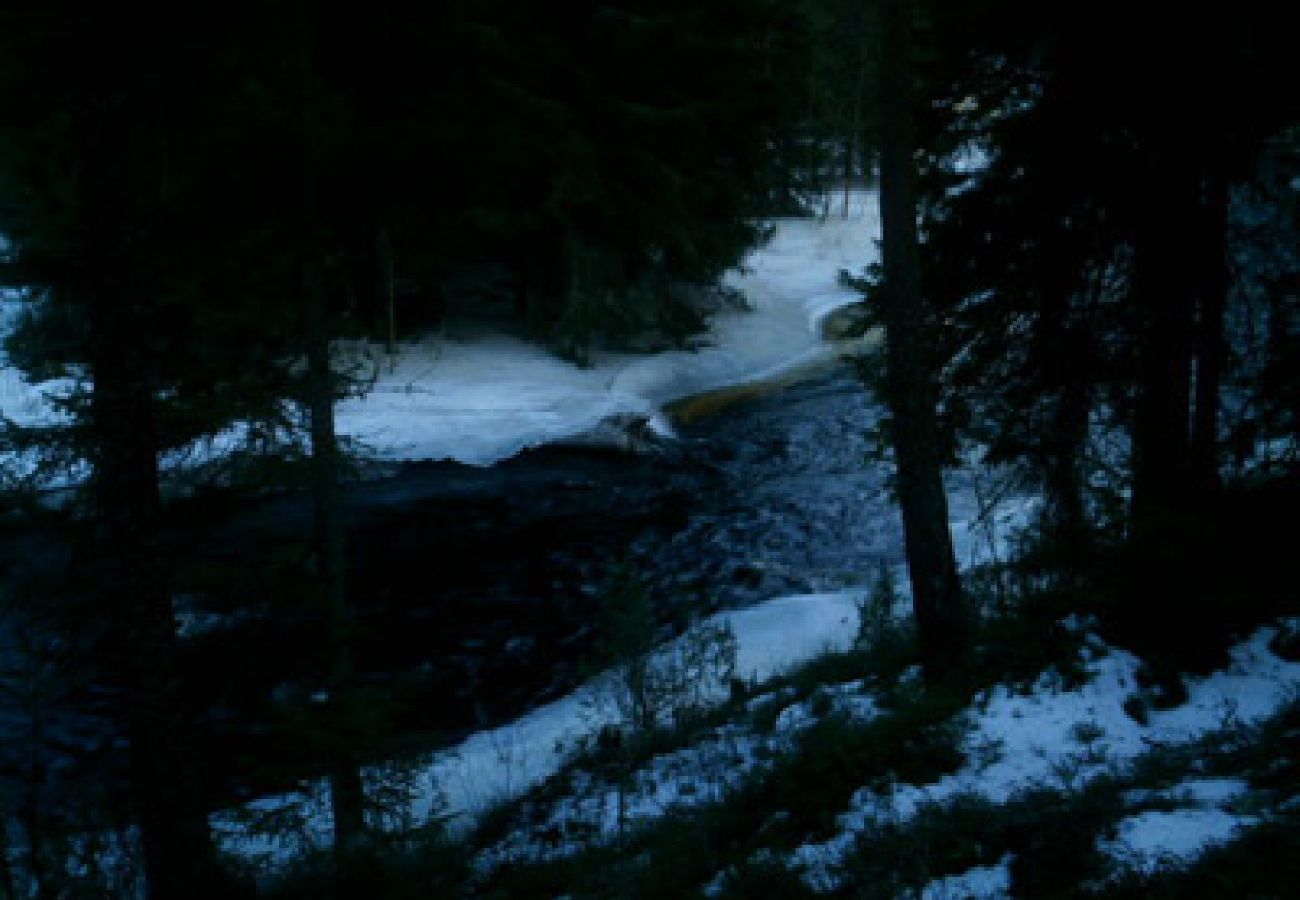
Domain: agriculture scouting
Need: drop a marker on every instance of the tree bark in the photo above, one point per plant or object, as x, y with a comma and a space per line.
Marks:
936, 589
347, 792
1067, 518
166, 776
166, 781
1064, 361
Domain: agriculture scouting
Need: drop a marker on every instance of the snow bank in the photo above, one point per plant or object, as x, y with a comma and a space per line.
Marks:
500, 764
1049, 736
1153, 840
482, 399
973, 884
496, 765
1064, 738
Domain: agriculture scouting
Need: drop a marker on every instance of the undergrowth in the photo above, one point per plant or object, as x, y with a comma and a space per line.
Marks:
1053, 835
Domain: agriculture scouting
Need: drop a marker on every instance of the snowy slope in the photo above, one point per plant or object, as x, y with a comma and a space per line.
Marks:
503, 763
1052, 735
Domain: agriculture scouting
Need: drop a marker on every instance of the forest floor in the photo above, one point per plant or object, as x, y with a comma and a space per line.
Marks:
792, 749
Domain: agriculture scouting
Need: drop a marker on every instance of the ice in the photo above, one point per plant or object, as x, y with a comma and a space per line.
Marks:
482, 398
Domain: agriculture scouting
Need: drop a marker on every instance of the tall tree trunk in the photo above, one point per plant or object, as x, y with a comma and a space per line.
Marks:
166, 777
347, 793
166, 780
1064, 364
855, 141
936, 590
1067, 518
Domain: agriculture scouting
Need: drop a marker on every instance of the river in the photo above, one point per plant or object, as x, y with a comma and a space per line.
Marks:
474, 588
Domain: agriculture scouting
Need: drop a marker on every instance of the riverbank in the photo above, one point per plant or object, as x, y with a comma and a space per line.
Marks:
477, 398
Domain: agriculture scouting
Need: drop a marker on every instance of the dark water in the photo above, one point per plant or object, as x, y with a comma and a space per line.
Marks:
474, 589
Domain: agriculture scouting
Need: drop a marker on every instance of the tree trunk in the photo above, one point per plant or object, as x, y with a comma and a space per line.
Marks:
936, 590
1066, 517
347, 793
1064, 362
855, 141
166, 780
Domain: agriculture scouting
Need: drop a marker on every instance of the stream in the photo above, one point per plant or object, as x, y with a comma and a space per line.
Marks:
474, 589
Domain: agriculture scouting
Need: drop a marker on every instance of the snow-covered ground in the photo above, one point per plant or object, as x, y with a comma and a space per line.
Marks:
1050, 736
503, 763
981, 881
1064, 738
484, 398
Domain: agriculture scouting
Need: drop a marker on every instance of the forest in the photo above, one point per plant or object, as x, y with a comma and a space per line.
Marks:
648, 449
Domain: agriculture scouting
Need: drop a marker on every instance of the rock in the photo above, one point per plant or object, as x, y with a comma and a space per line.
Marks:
631, 432
846, 322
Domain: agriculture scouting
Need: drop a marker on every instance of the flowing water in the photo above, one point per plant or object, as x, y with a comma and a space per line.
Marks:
475, 589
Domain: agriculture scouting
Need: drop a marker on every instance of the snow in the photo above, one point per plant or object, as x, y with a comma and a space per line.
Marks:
1209, 791
501, 764
1064, 738
984, 528
26, 404
596, 808
1204, 818
980, 883
1150, 841
778, 635
481, 398
1050, 736
485, 398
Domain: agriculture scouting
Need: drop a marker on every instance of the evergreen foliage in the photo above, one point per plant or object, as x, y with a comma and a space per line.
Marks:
1085, 280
